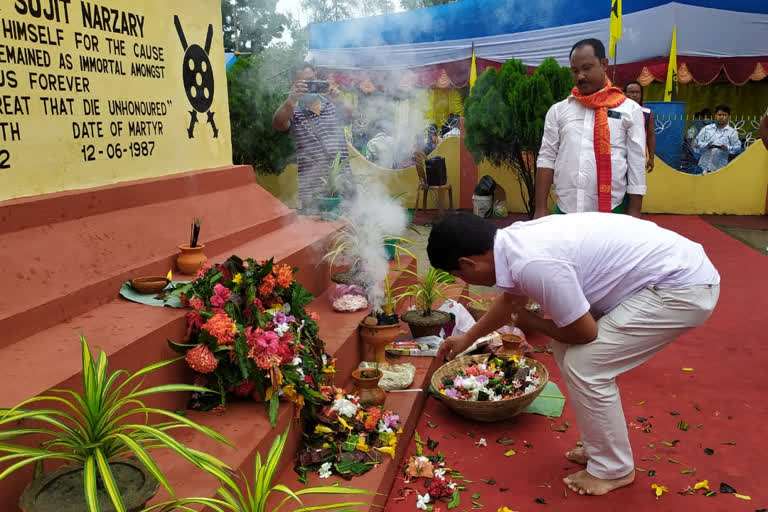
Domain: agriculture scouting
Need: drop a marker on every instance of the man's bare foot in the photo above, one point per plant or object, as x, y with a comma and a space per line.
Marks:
577, 455
584, 483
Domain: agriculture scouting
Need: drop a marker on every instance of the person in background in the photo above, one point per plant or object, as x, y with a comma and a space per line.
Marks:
452, 127
313, 120
716, 141
615, 290
593, 148
764, 129
381, 147
634, 91
433, 139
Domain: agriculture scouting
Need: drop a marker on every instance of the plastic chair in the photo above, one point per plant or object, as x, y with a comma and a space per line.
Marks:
424, 188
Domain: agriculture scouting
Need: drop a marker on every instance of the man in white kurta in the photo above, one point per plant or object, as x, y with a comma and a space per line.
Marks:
567, 154
616, 289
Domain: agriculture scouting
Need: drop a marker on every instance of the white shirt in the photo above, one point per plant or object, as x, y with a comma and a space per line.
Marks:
715, 158
567, 147
571, 264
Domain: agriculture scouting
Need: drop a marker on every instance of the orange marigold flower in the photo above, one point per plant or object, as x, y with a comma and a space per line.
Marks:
267, 285
201, 359
284, 275
221, 327
314, 316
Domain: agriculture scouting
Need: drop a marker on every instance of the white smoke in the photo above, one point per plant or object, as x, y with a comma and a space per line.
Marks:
377, 216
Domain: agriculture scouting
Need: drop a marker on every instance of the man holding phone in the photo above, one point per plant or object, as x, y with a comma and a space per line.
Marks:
310, 115
716, 141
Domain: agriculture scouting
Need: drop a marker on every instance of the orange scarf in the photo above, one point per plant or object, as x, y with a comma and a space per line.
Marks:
600, 102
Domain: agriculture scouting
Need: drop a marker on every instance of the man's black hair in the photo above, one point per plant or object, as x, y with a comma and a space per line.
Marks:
706, 112
596, 44
723, 108
459, 235
634, 82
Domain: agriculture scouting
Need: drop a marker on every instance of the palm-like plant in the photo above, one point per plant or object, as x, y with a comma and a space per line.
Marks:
426, 290
334, 183
99, 425
254, 497
350, 243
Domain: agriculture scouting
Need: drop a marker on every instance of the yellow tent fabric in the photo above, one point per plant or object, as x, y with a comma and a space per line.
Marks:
615, 26
442, 102
670, 90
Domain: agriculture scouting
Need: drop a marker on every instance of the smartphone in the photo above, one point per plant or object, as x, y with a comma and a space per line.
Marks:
317, 86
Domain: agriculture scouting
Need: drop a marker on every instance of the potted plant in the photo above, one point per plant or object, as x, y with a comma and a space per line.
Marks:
254, 497
191, 257
333, 186
425, 292
381, 328
348, 245
93, 433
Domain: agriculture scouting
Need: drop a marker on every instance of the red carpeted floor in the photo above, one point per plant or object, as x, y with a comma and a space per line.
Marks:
723, 400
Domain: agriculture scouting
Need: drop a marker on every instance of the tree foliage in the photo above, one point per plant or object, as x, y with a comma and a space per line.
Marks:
258, 23
505, 118
255, 92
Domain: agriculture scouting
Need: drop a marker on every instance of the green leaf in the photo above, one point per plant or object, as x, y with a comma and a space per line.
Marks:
688, 471
475, 495
456, 499
651, 472
709, 451
541, 501
432, 425
671, 444
274, 407
730, 443
108, 480
683, 426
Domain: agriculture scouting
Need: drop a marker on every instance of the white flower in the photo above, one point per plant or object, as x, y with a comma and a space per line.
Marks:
325, 358
300, 372
281, 329
413, 308
529, 389
296, 361
325, 470
287, 308
344, 407
482, 442
452, 485
439, 473
422, 501
383, 428
522, 363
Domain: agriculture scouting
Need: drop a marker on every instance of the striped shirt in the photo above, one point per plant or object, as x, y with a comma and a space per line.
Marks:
318, 140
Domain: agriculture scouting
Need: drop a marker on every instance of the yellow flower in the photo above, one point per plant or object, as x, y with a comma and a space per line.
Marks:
392, 441
268, 394
322, 429
442, 391
344, 424
290, 391
660, 489
361, 445
742, 497
505, 509
238, 279
389, 450
704, 484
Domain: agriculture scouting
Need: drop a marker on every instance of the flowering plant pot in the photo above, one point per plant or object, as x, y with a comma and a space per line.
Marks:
250, 336
190, 259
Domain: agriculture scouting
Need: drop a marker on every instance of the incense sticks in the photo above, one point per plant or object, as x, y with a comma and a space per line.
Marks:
194, 233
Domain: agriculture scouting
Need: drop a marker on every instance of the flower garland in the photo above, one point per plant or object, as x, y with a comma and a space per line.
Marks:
347, 438
249, 336
497, 379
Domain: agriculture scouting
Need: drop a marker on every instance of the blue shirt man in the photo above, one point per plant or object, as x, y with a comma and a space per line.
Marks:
716, 141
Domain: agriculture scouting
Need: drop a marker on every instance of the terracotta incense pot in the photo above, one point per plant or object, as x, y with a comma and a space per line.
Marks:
191, 259
367, 387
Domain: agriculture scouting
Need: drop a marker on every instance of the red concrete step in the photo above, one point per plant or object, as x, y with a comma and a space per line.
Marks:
61, 266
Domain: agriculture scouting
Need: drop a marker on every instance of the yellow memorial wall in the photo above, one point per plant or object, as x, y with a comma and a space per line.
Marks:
100, 92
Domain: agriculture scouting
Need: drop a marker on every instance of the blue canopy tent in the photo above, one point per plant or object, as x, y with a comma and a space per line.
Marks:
532, 30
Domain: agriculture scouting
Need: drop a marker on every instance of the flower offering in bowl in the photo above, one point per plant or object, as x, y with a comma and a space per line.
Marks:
489, 387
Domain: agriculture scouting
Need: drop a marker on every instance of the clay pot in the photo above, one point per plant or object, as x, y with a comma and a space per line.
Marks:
367, 388
425, 325
191, 259
511, 344
379, 336
62, 490
147, 285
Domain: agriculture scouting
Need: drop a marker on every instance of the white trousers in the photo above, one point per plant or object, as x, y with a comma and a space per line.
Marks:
629, 335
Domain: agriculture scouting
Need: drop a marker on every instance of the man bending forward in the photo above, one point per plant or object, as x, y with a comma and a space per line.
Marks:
617, 290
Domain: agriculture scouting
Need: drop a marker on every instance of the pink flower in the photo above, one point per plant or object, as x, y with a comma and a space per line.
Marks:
257, 302
221, 296
203, 270
196, 303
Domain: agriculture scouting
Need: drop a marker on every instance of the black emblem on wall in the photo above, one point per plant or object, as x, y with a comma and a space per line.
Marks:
197, 75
